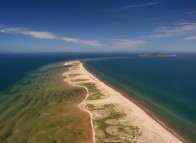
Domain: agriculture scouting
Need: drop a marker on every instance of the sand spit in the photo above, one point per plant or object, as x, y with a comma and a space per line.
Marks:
114, 118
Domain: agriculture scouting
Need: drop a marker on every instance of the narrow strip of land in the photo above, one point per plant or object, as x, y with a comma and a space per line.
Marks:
114, 118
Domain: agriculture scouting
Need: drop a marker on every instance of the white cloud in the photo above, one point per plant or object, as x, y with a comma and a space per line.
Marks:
24, 31
41, 35
190, 38
93, 43
142, 5
127, 43
71, 40
176, 30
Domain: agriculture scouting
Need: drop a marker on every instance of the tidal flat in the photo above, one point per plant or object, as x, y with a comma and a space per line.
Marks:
43, 108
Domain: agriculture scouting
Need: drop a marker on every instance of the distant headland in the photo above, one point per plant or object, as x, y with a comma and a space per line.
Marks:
157, 55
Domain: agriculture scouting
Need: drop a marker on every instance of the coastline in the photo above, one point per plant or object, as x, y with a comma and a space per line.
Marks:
146, 110
152, 129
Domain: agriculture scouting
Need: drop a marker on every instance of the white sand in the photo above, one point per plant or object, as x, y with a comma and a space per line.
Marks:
152, 130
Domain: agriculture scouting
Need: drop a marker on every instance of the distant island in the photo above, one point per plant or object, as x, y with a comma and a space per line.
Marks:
157, 55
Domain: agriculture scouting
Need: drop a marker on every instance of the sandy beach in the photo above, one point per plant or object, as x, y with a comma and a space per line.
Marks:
114, 118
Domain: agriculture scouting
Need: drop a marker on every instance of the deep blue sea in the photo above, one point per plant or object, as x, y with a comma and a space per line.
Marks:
166, 86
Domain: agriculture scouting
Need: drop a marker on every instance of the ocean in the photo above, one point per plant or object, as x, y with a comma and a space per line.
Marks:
29, 89
164, 85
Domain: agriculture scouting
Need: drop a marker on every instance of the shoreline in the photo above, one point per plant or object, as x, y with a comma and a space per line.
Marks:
151, 127
146, 110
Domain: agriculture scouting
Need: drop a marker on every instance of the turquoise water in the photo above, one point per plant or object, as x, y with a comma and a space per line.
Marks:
166, 86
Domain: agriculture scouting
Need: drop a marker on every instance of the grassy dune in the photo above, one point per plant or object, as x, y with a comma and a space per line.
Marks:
110, 120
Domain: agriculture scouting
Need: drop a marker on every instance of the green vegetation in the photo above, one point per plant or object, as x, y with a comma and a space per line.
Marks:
73, 75
94, 92
75, 66
78, 80
90, 107
121, 129
116, 115
109, 131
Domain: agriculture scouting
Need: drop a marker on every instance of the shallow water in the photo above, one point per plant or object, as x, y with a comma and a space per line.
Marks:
43, 108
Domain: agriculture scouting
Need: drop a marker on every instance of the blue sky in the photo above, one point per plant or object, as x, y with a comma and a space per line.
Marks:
98, 26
